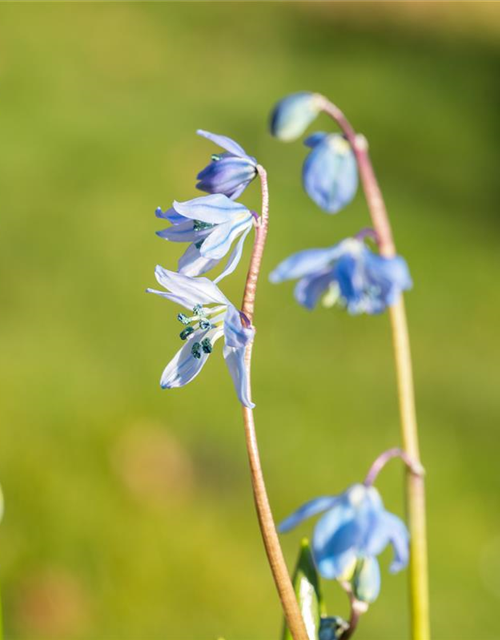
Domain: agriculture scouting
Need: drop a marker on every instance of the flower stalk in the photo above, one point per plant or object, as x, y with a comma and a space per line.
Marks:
415, 490
266, 522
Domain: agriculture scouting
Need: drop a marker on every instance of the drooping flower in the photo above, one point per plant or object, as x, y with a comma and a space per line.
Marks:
330, 174
210, 224
354, 529
293, 114
229, 173
348, 274
212, 317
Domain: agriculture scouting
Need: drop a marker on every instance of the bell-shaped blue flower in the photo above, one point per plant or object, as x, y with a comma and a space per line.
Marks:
293, 114
348, 274
210, 224
229, 173
353, 530
212, 316
330, 174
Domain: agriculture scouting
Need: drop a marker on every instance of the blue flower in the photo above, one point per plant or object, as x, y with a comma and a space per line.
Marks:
354, 529
293, 114
210, 224
330, 174
212, 317
229, 173
348, 274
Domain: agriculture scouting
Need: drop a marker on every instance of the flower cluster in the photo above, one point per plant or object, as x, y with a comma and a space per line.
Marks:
348, 274
211, 225
355, 527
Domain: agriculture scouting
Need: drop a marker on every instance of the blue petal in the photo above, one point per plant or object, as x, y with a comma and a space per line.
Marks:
309, 289
399, 539
336, 567
235, 360
170, 214
184, 367
192, 263
191, 291
330, 174
234, 258
303, 263
226, 175
235, 334
315, 138
226, 143
331, 557
182, 232
390, 275
366, 583
222, 237
214, 209
307, 510
293, 114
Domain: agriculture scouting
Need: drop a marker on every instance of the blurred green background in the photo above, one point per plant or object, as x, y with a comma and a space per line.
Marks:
129, 513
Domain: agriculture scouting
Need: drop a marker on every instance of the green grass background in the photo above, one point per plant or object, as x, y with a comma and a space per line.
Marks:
129, 513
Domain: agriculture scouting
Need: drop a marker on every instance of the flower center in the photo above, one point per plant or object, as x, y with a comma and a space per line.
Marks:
203, 319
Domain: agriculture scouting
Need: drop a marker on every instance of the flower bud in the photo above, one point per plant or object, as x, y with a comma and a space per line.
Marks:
366, 581
332, 628
330, 174
227, 174
293, 114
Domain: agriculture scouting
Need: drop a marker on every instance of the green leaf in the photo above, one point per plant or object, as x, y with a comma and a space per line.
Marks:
307, 589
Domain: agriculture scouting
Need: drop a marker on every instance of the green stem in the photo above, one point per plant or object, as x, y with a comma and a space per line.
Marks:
1, 620
415, 489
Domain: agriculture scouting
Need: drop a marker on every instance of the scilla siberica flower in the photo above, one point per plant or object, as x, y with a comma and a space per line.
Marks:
347, 274
212, 317
330, 174
229, 173
293, 114
354, 529
210, 224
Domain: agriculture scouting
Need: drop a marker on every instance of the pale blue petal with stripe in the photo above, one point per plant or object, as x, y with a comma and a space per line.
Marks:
192, 263
226, 143
235, 360
307, 510
182, 232
215, 208
219, 242
235, 334
193, 290
184, 367
235, 257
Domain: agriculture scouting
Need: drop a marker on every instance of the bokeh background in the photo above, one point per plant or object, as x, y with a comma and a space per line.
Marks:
128, 510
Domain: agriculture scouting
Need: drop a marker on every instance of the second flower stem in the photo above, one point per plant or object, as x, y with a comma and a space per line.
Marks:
274, 553
415, 490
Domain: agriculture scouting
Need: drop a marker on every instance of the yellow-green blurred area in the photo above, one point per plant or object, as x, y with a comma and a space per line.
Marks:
129, 513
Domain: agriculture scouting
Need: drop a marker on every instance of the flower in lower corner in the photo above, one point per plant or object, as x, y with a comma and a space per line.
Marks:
212, 316
210, 224
347, 539
229, 173
348, 274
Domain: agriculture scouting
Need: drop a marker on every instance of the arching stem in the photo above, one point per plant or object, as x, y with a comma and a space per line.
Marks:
415, 490
269, 534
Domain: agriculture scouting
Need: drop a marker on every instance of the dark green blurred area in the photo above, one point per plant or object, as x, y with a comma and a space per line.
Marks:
129, 513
